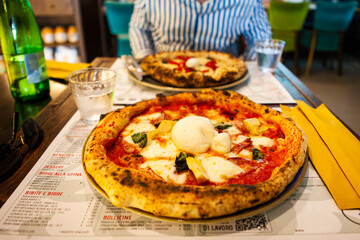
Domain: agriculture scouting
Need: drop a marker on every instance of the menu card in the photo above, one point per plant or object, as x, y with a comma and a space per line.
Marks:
260, 87
57, 200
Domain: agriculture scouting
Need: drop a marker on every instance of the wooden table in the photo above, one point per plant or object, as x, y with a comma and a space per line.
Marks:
58, 111
26, 110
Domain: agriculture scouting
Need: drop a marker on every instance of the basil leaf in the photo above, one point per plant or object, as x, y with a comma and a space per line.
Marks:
139, 138
180, 161
257, 154
222, 126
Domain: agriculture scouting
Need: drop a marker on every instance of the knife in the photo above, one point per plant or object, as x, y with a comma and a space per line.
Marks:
133, 67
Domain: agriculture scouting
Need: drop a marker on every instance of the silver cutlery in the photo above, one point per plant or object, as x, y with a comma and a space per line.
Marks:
133, 67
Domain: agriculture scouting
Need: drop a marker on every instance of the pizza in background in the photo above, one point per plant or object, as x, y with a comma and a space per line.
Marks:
197, 69
194, 155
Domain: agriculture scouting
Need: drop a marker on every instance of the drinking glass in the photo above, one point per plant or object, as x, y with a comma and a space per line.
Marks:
268, 53
93, 90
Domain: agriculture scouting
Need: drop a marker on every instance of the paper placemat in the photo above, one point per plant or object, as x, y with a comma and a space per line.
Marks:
55, 200
261, 87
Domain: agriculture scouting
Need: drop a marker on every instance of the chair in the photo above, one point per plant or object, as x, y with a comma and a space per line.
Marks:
286, 20
118, 15
331, 19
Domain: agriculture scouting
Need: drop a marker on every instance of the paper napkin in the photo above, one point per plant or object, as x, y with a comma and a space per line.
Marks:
333, 150
61, 70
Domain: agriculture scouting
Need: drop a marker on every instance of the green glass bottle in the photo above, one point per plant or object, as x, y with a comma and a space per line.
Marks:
23, 51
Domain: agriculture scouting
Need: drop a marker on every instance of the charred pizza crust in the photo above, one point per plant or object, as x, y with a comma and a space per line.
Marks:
127, 187
229, 69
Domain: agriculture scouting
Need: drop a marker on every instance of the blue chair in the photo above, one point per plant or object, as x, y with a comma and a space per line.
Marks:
118, 16
331, 20
286, 20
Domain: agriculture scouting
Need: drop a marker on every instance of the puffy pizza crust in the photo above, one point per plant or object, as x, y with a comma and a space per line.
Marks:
127, 187
229, 69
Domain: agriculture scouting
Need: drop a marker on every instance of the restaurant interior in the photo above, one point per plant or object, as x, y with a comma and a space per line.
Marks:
319, 64
100, 34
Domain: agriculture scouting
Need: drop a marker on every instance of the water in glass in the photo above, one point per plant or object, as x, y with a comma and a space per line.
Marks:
268, 53
93, 90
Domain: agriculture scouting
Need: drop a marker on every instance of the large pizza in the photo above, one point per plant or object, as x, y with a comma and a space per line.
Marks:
197, 69
194, 155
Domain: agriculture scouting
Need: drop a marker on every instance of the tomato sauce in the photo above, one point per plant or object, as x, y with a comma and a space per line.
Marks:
181, 65
119, 150
125, 155
273, 133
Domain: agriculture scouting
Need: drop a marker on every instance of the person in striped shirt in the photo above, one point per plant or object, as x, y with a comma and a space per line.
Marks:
170, 25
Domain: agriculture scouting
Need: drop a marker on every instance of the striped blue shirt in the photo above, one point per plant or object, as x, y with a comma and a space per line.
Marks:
169, 25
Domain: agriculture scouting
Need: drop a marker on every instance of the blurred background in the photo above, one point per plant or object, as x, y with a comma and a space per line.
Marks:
81, 30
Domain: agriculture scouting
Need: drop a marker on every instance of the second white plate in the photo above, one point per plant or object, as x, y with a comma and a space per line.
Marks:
150, 82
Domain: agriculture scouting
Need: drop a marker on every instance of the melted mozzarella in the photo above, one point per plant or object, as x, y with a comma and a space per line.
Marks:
160, 151
206, 70
129, 140
246, 154
203, 60
192, 63
193, 134
221, 143
138, 127
233, 130
263, 141
169, 65
148, 117
240, 138
165, 169
231, 155
219, 169
160, 154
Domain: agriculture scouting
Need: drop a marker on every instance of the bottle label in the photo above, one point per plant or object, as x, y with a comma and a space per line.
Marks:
35, 67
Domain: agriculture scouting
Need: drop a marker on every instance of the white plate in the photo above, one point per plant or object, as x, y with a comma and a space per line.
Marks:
150, 82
